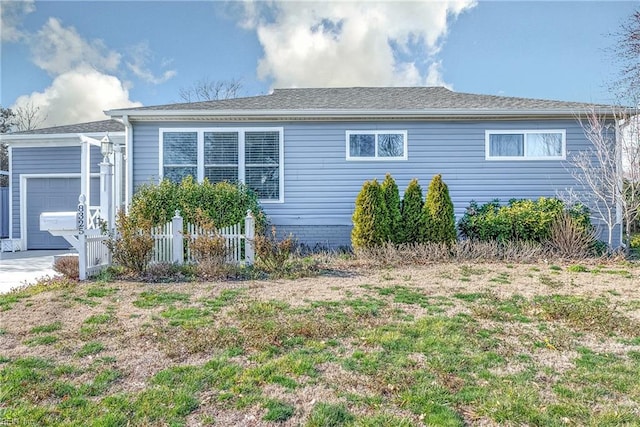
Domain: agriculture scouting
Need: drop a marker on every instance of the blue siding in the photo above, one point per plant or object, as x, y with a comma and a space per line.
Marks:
321, 186
4, 212
45, 160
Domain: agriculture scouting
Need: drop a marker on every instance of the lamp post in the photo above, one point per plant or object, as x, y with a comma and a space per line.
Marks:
106, 148
106, 182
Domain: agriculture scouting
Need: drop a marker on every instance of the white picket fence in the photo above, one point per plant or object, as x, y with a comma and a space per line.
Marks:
93, 254
170, 241
171, 244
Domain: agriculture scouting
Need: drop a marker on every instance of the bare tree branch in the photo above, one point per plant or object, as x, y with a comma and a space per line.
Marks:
211, 90
7, 117
608, 172
28, 117
627, 52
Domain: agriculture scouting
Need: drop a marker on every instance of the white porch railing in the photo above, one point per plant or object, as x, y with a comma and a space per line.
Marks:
93, 217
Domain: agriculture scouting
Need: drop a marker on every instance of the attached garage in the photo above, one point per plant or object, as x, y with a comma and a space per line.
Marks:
44, 170
51, 194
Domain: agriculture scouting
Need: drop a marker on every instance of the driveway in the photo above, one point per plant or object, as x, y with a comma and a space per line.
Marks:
25, 267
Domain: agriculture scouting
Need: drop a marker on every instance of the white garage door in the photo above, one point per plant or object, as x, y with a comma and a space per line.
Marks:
51, 195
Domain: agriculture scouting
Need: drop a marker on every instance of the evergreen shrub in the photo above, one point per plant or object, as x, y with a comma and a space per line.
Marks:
518, 220
223, 203
370, 225
411, 214
392, 201
439, 223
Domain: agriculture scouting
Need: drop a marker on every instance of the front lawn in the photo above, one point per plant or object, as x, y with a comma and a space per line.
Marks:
445, 345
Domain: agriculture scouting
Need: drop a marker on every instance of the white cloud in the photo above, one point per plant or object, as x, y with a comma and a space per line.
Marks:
87, 75
58, 49
434, 75
142, 55
351, 43
78, 96
11, 13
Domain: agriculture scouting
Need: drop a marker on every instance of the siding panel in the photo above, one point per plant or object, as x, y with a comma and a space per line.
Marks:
321, 186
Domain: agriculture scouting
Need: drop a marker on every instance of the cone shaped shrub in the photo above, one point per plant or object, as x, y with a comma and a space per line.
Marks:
438, 218
392, 202
370, 226
411, 213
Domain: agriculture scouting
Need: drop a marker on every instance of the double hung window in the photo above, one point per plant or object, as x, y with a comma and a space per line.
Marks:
253, 156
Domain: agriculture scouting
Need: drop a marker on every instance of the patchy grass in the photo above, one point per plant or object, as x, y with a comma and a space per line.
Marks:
90, 348
438, 345
50, 327
149, 299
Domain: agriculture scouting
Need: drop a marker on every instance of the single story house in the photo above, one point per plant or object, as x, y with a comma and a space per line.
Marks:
307, 151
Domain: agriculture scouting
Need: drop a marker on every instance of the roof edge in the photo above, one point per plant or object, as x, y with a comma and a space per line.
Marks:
7, 138
357, 114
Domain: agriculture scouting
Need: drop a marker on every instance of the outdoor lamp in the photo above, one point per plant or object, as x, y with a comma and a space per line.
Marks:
106, 146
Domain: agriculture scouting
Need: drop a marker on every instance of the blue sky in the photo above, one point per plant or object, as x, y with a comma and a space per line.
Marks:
75, 59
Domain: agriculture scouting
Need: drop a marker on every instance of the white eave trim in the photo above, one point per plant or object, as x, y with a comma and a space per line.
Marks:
52, 139
145, 115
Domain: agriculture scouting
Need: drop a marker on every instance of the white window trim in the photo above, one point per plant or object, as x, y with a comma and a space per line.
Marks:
241, 161
376, 133
487, 151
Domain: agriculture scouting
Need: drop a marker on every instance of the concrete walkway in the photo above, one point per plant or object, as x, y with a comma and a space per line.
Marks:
25, 267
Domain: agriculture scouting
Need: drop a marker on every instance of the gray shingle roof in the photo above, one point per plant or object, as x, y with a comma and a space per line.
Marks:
367, 99
89, 127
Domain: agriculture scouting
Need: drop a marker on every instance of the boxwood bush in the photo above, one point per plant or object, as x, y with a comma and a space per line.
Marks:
518, 220
223, 203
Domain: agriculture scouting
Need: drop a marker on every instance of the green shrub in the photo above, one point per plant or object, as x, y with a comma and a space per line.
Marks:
370, 227
392, 202
132, 245
412, 205
224, 203
439, 221
519, 220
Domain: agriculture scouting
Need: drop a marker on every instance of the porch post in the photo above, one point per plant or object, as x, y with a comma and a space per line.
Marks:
106, 193
178, 238
249, 236
85, 169
81, 223
117, 176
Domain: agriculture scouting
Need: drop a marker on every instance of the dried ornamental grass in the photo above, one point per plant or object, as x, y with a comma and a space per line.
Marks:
67, 265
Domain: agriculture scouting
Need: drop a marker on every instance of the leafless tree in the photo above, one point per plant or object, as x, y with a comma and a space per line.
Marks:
626, 50
211, 90
7, 117
608, 172
28, 117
